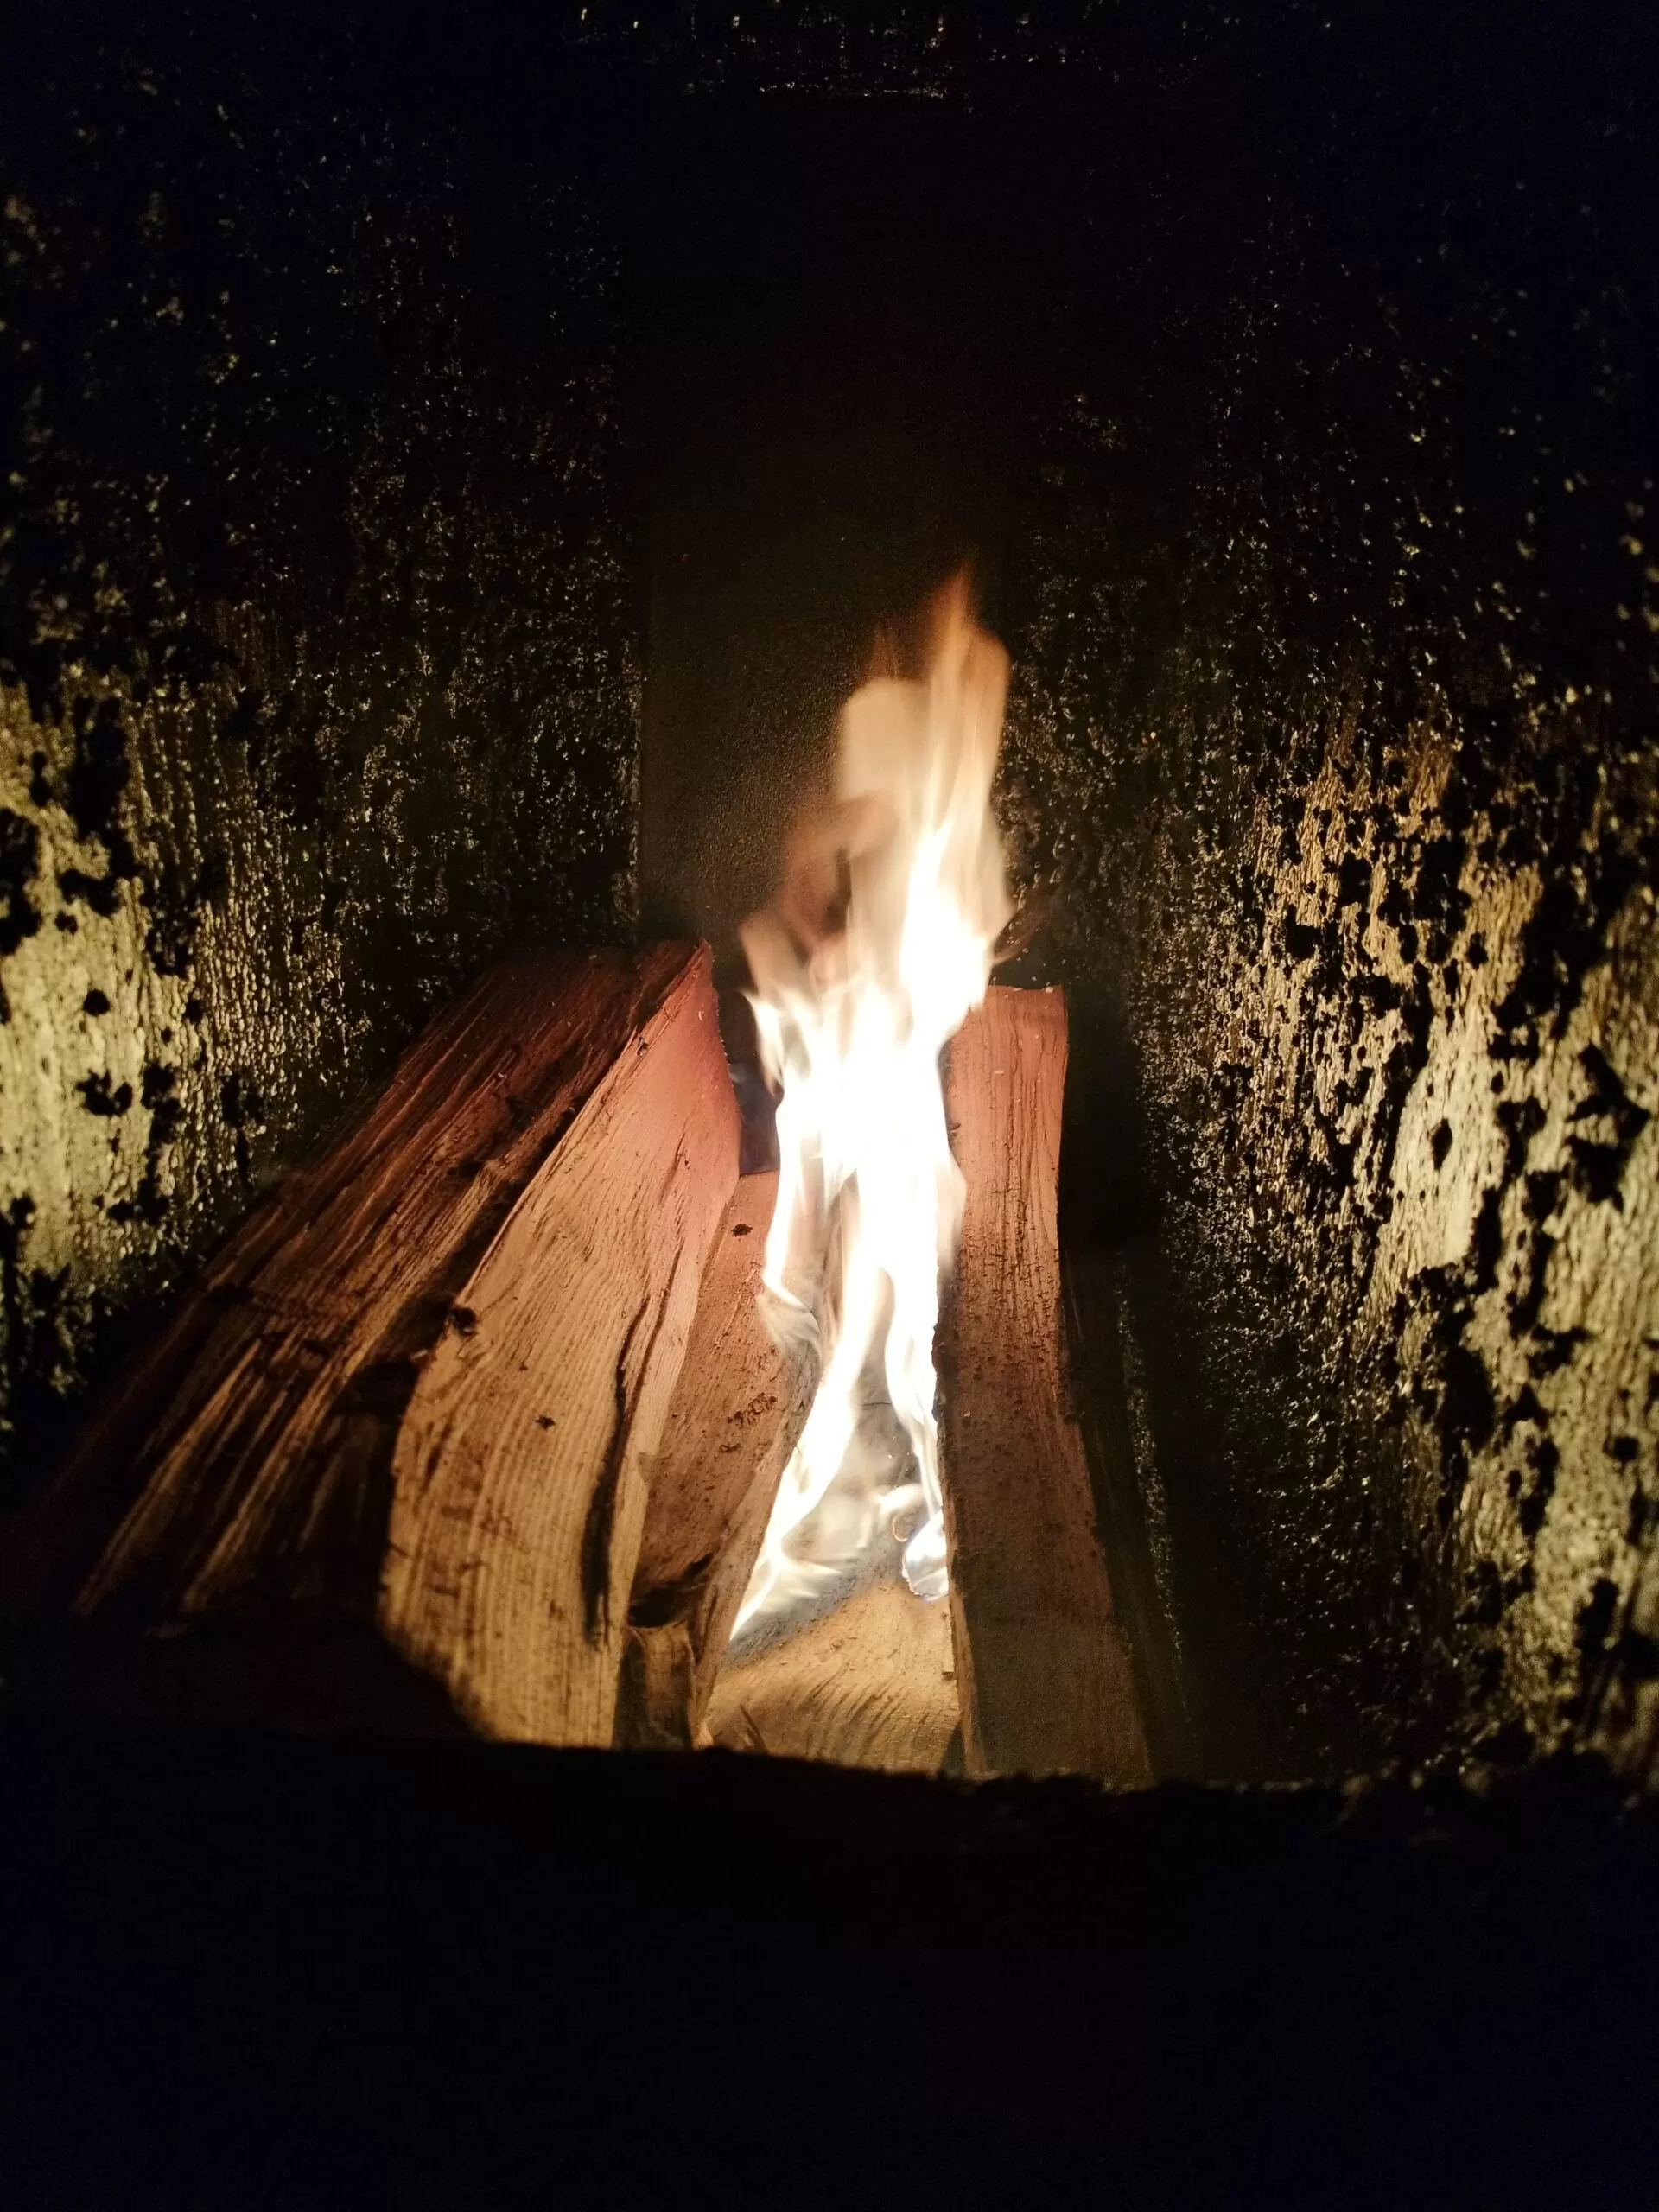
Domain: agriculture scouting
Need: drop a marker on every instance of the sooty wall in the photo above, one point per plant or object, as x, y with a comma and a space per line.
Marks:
318, 658
1336, 741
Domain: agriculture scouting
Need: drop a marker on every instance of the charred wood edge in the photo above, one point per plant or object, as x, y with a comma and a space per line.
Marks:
1095, 1382
247, 1662
656, 1703
1023, 927
714, 1614
677, 1633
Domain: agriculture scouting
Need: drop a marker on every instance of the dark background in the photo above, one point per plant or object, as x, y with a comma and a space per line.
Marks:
456, 464
259, 1970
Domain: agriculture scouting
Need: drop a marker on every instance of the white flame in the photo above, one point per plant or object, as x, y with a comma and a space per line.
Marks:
852, 1021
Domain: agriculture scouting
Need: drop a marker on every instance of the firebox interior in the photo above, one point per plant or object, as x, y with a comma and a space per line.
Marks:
1226, 410
455, 464
465, 535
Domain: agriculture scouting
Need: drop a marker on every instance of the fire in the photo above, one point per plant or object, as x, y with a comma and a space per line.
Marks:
874, 952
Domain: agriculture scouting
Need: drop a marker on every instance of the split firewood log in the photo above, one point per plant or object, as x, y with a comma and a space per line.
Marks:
342, 1425
524, 1463
1029, 1652
737, 1411
1042, 1668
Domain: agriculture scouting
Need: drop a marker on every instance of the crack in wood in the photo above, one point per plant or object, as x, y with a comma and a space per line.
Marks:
601, 1507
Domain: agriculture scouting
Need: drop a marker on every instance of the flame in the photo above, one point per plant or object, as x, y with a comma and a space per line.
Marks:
876, 949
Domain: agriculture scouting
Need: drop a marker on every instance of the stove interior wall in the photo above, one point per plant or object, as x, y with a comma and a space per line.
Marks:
319, 640
1288, 380
1336, 744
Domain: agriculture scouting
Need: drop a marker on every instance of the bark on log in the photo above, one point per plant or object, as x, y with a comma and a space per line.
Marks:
246, 1464
732, 1422
1042, 1670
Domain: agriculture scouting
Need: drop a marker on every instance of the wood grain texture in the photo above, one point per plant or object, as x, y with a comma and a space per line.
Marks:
523, 1461
243, 1462
737, 1410
870, 1684
1042, 1670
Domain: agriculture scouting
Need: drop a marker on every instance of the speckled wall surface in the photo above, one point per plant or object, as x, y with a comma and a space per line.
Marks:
318, 617
1335, 739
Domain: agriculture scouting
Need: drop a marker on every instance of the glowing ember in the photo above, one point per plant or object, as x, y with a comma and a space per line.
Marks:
878, 946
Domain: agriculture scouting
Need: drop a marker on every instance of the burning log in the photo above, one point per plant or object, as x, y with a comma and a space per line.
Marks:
407, 1415
1042, 1670
737, 1411
1028, 1652
877, 946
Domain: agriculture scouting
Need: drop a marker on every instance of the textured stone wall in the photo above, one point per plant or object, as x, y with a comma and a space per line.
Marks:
318, 635
1337, 746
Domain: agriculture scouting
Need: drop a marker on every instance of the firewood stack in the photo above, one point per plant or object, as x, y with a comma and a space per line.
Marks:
476, 1425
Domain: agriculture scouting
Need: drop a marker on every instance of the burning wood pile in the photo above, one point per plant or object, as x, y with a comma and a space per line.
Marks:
523, 1413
